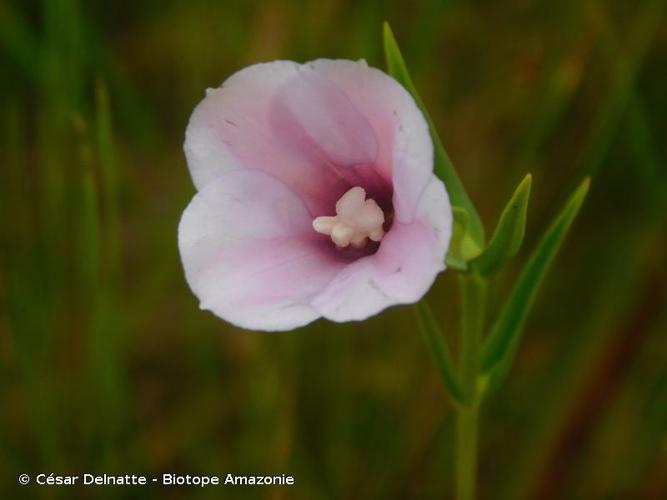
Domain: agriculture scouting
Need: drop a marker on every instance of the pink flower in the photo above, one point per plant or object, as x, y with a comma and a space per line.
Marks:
316, 196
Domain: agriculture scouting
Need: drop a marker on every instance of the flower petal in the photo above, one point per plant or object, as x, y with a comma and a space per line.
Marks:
250, 253
405, 149
233, 128
401, 271
313, 107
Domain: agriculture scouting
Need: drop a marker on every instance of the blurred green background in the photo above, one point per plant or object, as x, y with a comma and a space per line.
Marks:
108, 365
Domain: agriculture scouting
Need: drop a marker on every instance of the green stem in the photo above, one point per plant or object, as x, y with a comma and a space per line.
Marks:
473, 302
466, 452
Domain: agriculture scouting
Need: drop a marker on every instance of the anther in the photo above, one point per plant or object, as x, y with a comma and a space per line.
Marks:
357, 219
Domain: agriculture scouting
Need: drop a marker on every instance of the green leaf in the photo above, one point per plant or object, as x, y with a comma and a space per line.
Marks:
509, 232
443, 166
498, 352
437, 344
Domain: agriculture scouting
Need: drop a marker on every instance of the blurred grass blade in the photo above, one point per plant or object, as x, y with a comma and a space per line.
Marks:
90, 237
110, 182
626, 68
18, 41
437, 344
509, 232
499, 349
443, 166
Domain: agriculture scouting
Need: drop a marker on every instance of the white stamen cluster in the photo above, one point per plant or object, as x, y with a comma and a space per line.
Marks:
357, 220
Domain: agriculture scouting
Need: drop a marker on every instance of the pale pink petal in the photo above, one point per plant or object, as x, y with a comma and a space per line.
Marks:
401, 271
250, 253
405, 150
235, 127
319, 111
435, 210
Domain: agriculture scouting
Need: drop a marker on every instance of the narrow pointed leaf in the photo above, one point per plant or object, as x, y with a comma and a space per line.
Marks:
443, 166
501, 345
437, 344
509, 232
